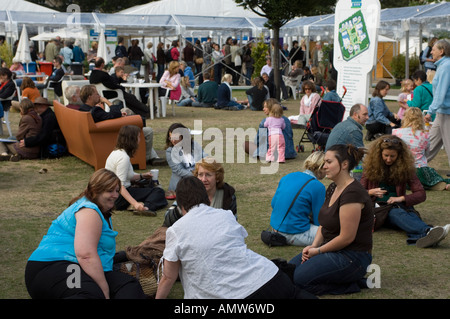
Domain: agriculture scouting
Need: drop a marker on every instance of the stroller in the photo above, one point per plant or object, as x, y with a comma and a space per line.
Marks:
323, 119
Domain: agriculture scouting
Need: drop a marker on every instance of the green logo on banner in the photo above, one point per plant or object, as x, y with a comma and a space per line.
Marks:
353, 37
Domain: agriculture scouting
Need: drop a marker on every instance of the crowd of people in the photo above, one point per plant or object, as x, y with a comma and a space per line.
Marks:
333, 224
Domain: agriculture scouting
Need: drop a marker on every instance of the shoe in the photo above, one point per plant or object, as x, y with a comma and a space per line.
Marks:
149, 213
157, 161
15, 158
446, 231
435, 235
170, 195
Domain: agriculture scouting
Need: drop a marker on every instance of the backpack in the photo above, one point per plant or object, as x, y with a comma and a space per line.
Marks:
422, 58
169, 55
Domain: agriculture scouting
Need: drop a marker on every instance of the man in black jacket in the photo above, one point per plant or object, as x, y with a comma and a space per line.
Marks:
98, 75
90, 98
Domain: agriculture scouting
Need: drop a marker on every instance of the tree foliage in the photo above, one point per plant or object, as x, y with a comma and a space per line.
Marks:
279, 12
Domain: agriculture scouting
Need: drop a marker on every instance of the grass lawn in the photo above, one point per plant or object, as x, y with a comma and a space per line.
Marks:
30, 201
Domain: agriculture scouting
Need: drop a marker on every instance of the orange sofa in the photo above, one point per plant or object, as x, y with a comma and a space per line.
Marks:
93, 142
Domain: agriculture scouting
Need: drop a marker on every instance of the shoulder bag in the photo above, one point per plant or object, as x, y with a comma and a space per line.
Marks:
274, 238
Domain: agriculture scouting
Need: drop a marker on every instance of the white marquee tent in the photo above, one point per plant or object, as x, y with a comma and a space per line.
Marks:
215, 8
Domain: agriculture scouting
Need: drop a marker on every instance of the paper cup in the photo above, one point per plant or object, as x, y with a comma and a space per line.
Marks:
155, 173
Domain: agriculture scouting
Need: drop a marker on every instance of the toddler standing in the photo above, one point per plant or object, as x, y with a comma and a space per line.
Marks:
275, 124
405, 95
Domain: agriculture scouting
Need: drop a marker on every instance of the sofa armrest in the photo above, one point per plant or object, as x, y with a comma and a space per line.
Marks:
115, 124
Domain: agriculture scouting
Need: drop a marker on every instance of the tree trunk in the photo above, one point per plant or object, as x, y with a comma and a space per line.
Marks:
276, 62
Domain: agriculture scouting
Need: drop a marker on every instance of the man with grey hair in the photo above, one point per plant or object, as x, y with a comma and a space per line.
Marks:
72, 94
350, 131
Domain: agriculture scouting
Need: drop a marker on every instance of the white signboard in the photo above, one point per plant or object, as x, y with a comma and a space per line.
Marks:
355, 48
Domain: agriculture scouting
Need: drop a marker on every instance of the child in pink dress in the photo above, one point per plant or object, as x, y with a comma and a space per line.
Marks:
275, 124
405, 96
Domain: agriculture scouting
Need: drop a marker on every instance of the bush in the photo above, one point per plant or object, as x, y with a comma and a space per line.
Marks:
398, 65
259, 54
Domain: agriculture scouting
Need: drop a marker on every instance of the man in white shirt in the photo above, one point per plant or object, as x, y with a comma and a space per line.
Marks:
222, 266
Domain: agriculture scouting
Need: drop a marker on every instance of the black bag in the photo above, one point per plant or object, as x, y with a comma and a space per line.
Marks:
380, 214
169, 55
274, 238
172, 215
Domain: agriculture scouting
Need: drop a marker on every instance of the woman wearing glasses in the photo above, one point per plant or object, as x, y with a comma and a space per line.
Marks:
307, 104
388, 171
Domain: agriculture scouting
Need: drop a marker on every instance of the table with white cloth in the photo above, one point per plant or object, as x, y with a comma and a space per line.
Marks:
152, 92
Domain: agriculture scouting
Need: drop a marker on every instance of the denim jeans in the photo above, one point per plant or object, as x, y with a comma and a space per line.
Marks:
414, 227
302, 239
332, 273
185, 102
234, 104
160, 72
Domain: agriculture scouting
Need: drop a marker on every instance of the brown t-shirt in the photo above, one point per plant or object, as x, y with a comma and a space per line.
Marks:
329, 216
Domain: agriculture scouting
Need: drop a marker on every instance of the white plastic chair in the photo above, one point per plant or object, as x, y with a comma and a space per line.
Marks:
101, 89
66, 83
293, 84
164, 103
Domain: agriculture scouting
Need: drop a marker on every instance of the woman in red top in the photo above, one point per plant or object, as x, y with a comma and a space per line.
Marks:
388, 170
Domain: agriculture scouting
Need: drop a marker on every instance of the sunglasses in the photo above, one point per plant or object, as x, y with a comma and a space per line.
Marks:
393, 141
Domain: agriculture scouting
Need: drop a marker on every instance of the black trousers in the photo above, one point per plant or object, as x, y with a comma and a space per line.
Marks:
49, 280
280, 287
153, 198
377, 127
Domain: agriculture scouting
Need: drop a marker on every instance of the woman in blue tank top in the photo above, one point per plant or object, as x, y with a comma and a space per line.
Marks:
75, 257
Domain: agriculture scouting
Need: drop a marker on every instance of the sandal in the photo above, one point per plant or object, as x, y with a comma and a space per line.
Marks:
170, 195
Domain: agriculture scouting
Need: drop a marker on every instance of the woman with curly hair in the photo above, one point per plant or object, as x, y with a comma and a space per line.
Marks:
414, 135
388, 170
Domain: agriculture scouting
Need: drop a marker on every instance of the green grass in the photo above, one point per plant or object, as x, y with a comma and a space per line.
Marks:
30, 201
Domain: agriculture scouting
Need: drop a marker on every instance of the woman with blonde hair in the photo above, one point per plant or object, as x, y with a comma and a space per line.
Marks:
301, 223
187, 93
170, 80
388, 171
414, 135
225, 100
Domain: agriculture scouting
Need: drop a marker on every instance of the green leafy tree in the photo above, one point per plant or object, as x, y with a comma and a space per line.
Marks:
280, 12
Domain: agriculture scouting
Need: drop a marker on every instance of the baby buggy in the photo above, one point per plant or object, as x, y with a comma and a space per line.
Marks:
323, 119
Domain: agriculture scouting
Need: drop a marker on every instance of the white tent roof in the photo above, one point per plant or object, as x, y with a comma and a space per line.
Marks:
22, 5
216, 8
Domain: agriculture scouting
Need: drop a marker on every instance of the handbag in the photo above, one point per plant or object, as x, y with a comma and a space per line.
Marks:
199, 60
274, 238
380, 214
146, 274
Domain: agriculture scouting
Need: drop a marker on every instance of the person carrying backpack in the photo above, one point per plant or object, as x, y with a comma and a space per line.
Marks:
425, 57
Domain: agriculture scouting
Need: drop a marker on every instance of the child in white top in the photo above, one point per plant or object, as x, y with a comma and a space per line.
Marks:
405, 96
275, 124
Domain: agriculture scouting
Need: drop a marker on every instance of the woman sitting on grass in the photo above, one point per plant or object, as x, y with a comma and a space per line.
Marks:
147, 199
182, 152
336, 261
413, 134
388, 171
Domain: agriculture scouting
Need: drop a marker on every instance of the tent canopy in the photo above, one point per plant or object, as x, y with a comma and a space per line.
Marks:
394, 22
221, 8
